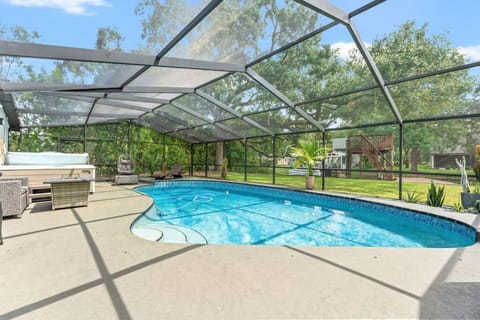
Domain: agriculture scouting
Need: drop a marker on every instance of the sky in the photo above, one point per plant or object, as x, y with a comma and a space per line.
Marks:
75, 22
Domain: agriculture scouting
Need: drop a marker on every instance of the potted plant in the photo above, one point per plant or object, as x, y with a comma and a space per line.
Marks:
467, 197
307, 154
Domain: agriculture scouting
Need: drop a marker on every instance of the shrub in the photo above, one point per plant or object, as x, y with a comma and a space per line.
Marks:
413, 197
457, 207
435, 195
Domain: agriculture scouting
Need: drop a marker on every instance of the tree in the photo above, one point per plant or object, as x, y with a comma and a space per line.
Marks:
13, 69
408, 51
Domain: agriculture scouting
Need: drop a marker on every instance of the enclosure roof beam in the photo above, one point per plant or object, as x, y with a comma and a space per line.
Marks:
393, 82
265, 84
364, 8
131, 97
182, 34
36, 87
52, 52
159, 113
75, 113
125, 97
201, 117
124, 105
233, 112
331, 11
199, 136
194, 137
314, 33
293, 43
144, 123
433, 73
374, 70
187, 137
327, 9
89, 99
80, 124
190, 26
144, 89
90, 113
337, 95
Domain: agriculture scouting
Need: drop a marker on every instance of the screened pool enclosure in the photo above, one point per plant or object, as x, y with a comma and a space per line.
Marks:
248, 80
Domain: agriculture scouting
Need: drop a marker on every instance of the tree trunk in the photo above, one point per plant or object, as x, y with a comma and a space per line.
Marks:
218, 156
406, 159
415, 159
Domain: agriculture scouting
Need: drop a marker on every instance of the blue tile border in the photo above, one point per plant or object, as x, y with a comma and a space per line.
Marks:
280, 192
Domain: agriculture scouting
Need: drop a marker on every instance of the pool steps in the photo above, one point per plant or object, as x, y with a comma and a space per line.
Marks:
169, 233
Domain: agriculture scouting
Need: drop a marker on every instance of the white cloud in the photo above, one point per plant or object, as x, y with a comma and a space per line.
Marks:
80, 7
472, 53
344, 48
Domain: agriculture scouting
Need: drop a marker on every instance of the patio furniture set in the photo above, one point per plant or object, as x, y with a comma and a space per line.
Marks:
16, 193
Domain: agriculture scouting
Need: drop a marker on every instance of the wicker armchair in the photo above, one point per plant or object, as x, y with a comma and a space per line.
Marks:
13, 195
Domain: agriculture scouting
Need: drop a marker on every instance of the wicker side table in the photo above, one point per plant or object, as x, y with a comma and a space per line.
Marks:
67, 193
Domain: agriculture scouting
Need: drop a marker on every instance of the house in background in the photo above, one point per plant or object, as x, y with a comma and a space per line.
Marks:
285, 161
446, 159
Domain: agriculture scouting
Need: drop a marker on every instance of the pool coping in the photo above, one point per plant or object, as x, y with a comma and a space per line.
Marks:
465, 219
83, 262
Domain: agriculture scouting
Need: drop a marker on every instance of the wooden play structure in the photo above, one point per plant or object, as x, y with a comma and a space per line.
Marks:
376, 148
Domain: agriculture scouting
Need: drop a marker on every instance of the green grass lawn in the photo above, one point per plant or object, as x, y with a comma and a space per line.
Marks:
371, 187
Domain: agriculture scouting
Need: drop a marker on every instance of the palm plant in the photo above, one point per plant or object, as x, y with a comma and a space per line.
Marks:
307, 154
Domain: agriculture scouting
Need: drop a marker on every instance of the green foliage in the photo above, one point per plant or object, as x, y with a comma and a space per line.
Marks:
457, 207
475, 208
475, 188
413, 197
15, 69
413, 49
105, 143
435, 195
307, 154
109, 39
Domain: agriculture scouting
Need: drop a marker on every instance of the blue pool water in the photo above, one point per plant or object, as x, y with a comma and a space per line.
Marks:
192, 211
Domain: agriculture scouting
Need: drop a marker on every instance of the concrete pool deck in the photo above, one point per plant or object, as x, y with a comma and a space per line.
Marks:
83, 263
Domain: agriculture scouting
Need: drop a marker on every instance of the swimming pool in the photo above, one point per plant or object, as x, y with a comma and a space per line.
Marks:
203, 211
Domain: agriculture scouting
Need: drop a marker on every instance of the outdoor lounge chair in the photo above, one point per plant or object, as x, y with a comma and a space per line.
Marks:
13, 195
175, 172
